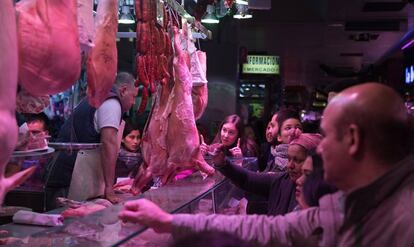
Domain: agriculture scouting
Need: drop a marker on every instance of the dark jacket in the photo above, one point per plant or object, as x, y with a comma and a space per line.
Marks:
381, 214
278, 188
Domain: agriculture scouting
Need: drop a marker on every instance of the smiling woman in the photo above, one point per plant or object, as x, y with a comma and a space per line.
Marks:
231, 139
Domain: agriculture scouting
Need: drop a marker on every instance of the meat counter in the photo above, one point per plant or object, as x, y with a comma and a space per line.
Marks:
31, 193
193, 194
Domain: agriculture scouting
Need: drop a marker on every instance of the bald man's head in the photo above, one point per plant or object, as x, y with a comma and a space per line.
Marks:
380, 115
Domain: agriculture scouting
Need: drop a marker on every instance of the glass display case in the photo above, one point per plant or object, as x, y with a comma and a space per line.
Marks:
194, 194
31, 193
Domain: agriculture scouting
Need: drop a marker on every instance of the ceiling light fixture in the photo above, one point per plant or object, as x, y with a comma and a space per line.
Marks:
126, 16
409, 44
336, 24
210, 17
242, 12
242, 2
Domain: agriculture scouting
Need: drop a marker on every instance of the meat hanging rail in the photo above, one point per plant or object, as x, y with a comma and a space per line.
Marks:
190, 19
201, 31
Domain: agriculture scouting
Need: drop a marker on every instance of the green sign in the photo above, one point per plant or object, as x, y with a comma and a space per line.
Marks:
259, 64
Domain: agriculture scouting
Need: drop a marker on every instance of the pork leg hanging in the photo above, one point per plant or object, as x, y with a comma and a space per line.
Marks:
48, 40
171, 141
200, 90
184, 152
102, 62
8, 87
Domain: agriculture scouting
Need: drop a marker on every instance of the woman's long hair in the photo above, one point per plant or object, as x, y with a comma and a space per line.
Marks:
248, 147
315, 186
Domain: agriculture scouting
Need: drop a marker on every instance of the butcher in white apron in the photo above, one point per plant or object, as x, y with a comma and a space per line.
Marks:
90, 125
87, 178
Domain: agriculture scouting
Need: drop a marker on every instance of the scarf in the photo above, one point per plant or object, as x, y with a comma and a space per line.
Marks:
280, 161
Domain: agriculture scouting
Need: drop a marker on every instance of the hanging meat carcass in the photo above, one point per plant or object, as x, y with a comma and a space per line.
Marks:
198, 69
199, 92
171, 141
184, 152
8, 87
154, 145
86, 25
200, 100
102, 62
48, 41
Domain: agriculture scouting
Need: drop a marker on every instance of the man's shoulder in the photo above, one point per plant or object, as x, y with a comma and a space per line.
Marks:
111, 104
332, 199
110, 101
281, 179
404, 197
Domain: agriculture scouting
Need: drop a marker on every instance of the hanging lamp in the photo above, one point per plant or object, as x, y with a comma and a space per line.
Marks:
242, 12
210, 17
126, 16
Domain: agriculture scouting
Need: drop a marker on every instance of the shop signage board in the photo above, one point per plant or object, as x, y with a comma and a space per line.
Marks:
409, 74
261, 64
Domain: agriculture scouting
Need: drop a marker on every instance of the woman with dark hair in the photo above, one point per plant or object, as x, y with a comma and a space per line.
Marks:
311, 186
232, 140
278, 188
129, 157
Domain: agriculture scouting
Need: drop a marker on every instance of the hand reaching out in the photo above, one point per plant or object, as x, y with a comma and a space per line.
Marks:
218, 157
146, 213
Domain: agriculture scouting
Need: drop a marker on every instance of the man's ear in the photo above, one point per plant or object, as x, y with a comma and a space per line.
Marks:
279, 138
122, 90
353, 139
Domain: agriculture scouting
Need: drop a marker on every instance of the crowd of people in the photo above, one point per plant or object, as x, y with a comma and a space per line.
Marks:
356, 190
349, 184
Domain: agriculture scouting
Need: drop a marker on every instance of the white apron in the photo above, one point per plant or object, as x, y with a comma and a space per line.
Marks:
87, 177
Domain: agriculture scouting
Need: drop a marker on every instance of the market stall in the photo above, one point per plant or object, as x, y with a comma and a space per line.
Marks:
191, 195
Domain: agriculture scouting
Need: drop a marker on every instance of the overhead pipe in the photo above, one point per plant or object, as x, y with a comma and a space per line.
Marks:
402, 44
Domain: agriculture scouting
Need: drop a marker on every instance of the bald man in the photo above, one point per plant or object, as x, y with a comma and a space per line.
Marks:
366, 154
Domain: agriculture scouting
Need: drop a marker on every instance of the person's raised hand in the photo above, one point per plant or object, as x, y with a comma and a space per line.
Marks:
146, 213
236, 151
203, 146
294, 133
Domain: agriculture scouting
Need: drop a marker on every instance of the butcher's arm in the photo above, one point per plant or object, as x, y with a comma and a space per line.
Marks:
109, 154
258, 183
260, 230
